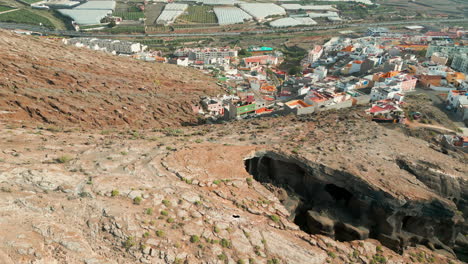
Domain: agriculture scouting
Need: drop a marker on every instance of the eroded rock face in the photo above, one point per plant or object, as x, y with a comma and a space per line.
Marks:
343, 206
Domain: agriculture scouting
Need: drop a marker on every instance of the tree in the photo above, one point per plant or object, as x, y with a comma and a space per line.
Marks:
294, 70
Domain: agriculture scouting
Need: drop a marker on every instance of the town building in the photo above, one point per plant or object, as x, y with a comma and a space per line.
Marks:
460, 63
449, 49
260, 60
314, 54
107, 45
206, 54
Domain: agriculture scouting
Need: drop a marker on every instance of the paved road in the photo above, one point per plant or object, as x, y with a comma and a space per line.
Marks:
257, 32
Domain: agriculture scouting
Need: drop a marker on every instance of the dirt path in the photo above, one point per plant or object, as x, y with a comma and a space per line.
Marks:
8, 11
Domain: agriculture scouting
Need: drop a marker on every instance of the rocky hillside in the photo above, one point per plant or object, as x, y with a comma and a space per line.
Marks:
244, 192
43, 81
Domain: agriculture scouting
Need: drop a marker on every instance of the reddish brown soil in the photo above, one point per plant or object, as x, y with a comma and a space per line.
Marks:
42, 80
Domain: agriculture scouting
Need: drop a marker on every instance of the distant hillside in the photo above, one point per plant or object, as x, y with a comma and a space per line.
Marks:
44, 82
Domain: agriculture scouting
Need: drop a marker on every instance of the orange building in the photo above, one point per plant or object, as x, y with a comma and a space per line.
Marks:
430, 80
455, 78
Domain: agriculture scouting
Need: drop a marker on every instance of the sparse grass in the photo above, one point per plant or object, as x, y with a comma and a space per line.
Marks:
275, 218
249, 181
146, 234
164, 212
160, 233
217, 182
170, 220
24, 16
63, 159
216, 229
194, 239
222, 257
225, 243
149, 211
129, 243
331, 254
114, 193
166, 203
137, 200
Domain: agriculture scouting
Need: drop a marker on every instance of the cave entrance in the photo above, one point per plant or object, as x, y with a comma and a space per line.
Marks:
317, 207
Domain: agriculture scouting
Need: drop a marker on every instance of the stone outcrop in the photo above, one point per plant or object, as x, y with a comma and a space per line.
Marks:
343, 206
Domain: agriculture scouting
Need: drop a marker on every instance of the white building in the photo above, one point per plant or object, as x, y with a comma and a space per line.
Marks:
315, 54
107, 45
460, 63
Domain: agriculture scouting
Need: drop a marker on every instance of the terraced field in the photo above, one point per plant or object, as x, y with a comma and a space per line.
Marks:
25, 17
5, 8
152, 13
199, 14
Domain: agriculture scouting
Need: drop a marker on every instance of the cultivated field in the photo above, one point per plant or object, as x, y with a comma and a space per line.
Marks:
25, 17
5, 8
128, 11
449, 7
198, 14
152, 13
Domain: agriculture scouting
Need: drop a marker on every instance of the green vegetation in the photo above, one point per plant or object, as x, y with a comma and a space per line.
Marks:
160, 233
166, 203
114, 193
165, 213
194, 239
199, 14
125, 29
225, 243
292, 58
146, 234
130, 242
170, 220
63, 159
377, 258
5, 8
331, 254
275, 218
129, 15
249, 181
149, 211
24, 16
222, 257
137, 200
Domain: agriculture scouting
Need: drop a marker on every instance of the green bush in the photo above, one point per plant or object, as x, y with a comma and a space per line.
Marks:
130, 242
194, 239
160, 233
137, 200
275, 218
225, 243
63, 159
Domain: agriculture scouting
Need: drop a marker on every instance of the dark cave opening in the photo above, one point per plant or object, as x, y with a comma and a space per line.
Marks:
321, 200
317, 207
